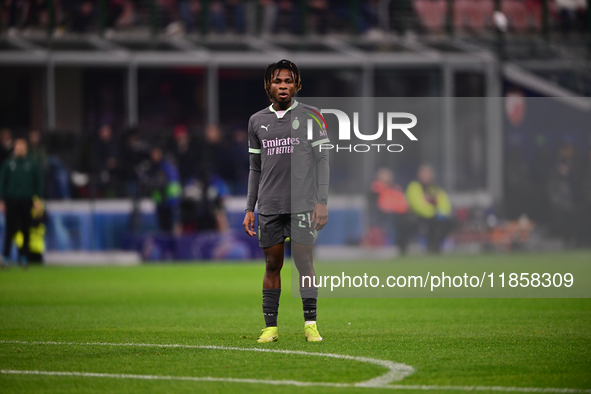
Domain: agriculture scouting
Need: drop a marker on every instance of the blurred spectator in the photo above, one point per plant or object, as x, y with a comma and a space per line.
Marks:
238, 162
189, 12
5, 144
217, 170
520, 191
165, 188
21, 186
37, 150
572, 14
167, 12
431, 205
186, 154
224, 16
106, 161
204, 189
58, 174
388, 207
369, 15
561, 197
288, 17
214, 153
343, 17
217, 193
15, 14
22, 13
217, 16
279, 16
235, 15
80, 14
134, 152
269, 10
319, 12
120, 13
35, 12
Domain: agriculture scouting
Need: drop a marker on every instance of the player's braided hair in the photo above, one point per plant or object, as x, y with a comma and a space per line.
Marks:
282, 65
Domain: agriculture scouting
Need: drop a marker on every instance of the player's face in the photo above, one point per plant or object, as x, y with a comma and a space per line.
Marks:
283, 87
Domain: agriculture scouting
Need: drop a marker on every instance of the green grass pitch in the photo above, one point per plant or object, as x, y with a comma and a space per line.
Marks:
534, 343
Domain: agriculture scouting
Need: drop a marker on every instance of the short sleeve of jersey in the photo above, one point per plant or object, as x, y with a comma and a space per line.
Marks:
319, 134
254, 144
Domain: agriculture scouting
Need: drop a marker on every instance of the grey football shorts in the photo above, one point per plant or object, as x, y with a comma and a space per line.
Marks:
273, 229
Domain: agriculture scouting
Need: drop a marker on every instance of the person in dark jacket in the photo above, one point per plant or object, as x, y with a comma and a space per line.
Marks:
185, 151
20, 184
166, 190
106, 162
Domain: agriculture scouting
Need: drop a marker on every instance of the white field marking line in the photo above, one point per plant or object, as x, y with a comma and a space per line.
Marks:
294, 382
396, 371
186, 378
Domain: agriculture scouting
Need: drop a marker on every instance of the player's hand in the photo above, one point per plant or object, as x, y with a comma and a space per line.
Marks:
248, 224
320, 216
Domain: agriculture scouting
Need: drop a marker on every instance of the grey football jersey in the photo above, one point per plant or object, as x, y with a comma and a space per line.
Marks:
288, 158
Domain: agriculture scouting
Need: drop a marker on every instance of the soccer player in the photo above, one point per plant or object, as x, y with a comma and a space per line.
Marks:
289, 179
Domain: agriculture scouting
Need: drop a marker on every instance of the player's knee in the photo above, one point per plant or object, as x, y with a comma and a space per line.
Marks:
303, 258
273, 264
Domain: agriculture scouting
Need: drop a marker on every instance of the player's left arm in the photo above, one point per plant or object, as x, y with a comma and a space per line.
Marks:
320, 214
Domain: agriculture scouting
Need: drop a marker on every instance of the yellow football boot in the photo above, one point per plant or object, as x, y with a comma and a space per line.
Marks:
269, 334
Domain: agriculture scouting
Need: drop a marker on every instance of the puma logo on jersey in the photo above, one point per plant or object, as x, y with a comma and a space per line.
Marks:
266, 127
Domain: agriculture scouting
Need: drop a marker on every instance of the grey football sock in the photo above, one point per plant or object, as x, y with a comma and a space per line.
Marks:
271, 306
309, 301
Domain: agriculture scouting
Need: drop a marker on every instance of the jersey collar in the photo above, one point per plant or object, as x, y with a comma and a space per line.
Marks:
295, 104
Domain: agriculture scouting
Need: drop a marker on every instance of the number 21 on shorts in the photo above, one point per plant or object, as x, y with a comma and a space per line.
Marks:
302, 217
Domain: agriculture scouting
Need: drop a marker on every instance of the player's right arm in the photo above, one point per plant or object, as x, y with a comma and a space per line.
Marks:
254, 177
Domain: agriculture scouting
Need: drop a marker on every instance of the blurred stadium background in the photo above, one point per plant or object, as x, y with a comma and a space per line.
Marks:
104, 82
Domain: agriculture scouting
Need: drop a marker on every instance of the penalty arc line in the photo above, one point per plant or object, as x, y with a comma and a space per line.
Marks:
397, 371
293, 382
